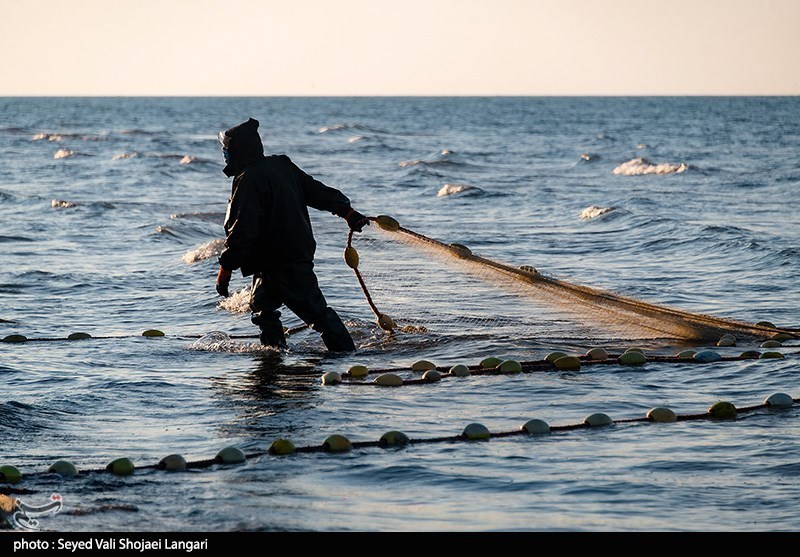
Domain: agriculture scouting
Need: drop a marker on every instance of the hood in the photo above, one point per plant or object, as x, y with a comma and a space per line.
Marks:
244, 147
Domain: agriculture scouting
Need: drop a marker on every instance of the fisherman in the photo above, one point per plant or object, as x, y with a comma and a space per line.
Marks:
269, 236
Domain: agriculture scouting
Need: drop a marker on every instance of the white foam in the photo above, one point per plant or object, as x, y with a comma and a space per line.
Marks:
450, 189
60, 204
124, 156
639, 166
217, 341
187, 159
237, 302
63, 154
335, 127
47, 136
593, 211
415, 162
206, 251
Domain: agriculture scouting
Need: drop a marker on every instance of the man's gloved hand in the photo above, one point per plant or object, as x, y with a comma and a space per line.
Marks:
356, 221
223, 280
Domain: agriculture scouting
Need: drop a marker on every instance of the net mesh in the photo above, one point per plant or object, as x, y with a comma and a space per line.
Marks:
425, 285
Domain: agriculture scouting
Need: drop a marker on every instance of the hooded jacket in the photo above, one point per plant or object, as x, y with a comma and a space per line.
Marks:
267, 224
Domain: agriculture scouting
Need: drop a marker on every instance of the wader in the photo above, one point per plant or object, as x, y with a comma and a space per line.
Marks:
295, 286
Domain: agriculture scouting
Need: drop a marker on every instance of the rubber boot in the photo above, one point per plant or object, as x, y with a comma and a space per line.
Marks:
334, 334
272, 333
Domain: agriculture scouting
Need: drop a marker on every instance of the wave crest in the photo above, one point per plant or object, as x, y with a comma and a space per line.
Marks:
63, 154
131, 155
640, 166
445, 157
47, 136
61, 204
199, 215
594, 211
342, 127
206, 251
452, 189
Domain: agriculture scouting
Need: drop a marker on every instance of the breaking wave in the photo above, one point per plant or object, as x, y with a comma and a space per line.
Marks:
452, 189
42, 136
47, 136
64, 154
445, 158
640, 166
206, 251
198, 215
593, 211
64, 204
357, 128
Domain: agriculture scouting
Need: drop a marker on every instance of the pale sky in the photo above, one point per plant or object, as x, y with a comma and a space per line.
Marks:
399, 47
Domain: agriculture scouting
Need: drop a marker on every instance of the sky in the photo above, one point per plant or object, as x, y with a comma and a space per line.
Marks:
399, 47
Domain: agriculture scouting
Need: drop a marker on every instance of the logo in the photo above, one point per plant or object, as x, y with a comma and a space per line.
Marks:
17, 514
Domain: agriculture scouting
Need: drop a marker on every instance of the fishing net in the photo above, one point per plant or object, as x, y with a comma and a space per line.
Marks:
414, 283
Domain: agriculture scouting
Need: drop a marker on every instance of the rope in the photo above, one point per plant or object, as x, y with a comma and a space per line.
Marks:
149, 333
361, 279
524, 367
336, 443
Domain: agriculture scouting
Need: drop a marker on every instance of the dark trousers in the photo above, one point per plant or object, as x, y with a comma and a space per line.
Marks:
296, 287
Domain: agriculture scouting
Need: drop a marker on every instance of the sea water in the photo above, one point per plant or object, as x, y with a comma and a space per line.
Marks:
111, 215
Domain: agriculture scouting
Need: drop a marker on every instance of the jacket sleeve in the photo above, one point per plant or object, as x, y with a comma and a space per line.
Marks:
242, 222
322, 197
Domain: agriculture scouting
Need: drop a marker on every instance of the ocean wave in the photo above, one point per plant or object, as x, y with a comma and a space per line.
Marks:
136, 131
452, 189
60, 136
47, 136
15, 130
131, 155
370, 142
640, 166
342, 127
27, 419
173, 156
64, 153
61, 204
166, 231
65, 204
4, 239
206, 251
444, 158
336, 128
13, 413
182, 159
199, 215
594, 211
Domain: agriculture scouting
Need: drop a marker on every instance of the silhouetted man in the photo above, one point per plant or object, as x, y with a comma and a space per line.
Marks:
269, 236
